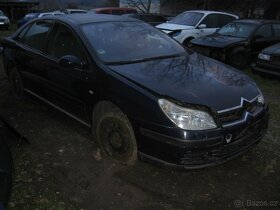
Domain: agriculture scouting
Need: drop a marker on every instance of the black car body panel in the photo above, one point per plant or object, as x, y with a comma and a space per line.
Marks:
222, 47
184, 77
6, 166
188, 80
271, 66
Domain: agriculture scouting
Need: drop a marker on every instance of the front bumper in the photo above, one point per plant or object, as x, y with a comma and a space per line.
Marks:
207, 148
266, 67
4, 25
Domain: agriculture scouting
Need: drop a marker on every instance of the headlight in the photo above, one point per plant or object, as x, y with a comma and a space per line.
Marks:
188, 119
264, 57
261, 99
175, 33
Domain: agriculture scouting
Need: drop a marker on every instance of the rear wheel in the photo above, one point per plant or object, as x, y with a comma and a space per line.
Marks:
115, 135
16, 83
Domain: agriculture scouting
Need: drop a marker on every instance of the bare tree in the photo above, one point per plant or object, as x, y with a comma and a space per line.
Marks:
144, 6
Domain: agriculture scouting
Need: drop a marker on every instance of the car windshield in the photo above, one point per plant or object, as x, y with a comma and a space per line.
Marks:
242, 30
2, 13
124, 42
187, 18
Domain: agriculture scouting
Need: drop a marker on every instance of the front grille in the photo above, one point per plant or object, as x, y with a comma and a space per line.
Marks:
237, 114
243, 141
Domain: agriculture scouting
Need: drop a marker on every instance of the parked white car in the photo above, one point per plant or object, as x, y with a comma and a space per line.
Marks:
195, 23
4, 20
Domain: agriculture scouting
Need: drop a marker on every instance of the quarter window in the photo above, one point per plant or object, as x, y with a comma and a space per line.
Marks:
37, 34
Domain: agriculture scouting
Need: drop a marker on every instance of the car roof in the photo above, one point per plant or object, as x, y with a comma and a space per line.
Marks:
79, 19
256, 21
207, 12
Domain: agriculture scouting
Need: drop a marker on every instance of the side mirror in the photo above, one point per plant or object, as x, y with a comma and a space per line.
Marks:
201, 26
71, 61
9, 43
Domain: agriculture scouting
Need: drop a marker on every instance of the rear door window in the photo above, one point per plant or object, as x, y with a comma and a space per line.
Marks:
36, 36
211, 21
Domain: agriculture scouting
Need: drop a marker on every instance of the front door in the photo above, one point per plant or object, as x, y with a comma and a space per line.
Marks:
66, 85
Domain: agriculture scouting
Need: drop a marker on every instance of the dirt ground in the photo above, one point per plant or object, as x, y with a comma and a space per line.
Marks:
62, 169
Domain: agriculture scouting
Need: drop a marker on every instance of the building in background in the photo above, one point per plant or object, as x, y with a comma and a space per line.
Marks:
16, 9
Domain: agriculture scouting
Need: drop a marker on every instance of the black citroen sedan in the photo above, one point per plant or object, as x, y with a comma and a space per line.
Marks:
268, 61
141, 93
238, 43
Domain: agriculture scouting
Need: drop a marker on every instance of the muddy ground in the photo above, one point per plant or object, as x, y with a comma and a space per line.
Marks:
62, 169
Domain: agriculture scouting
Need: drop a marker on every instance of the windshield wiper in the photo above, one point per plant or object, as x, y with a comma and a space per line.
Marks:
143, 60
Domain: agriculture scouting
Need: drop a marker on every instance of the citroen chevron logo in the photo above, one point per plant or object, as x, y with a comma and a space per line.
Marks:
242, 100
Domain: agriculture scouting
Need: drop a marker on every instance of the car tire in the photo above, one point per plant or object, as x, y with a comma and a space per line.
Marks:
16, 83
239, 60
115, 135
187, 42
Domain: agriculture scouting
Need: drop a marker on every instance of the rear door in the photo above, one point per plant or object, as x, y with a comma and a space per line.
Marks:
66, 85
32, 43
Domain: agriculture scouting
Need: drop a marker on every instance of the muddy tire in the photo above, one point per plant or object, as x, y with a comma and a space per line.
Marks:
115, 135
16, 83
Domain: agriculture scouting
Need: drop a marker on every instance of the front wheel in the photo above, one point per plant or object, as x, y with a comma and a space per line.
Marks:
16, 83
115, 135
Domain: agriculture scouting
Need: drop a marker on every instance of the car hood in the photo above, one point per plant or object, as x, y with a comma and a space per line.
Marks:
172, 27
272, 50
192, 79
216, 40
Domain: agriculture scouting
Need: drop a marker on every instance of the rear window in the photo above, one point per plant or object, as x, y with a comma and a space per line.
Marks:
129, 41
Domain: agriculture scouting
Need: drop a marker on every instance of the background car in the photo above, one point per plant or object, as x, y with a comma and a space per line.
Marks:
239, 42
4, 21
268, 61
50, 14
114, 10
141, 93
74, 11
153, 19
192, 24
27, 18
